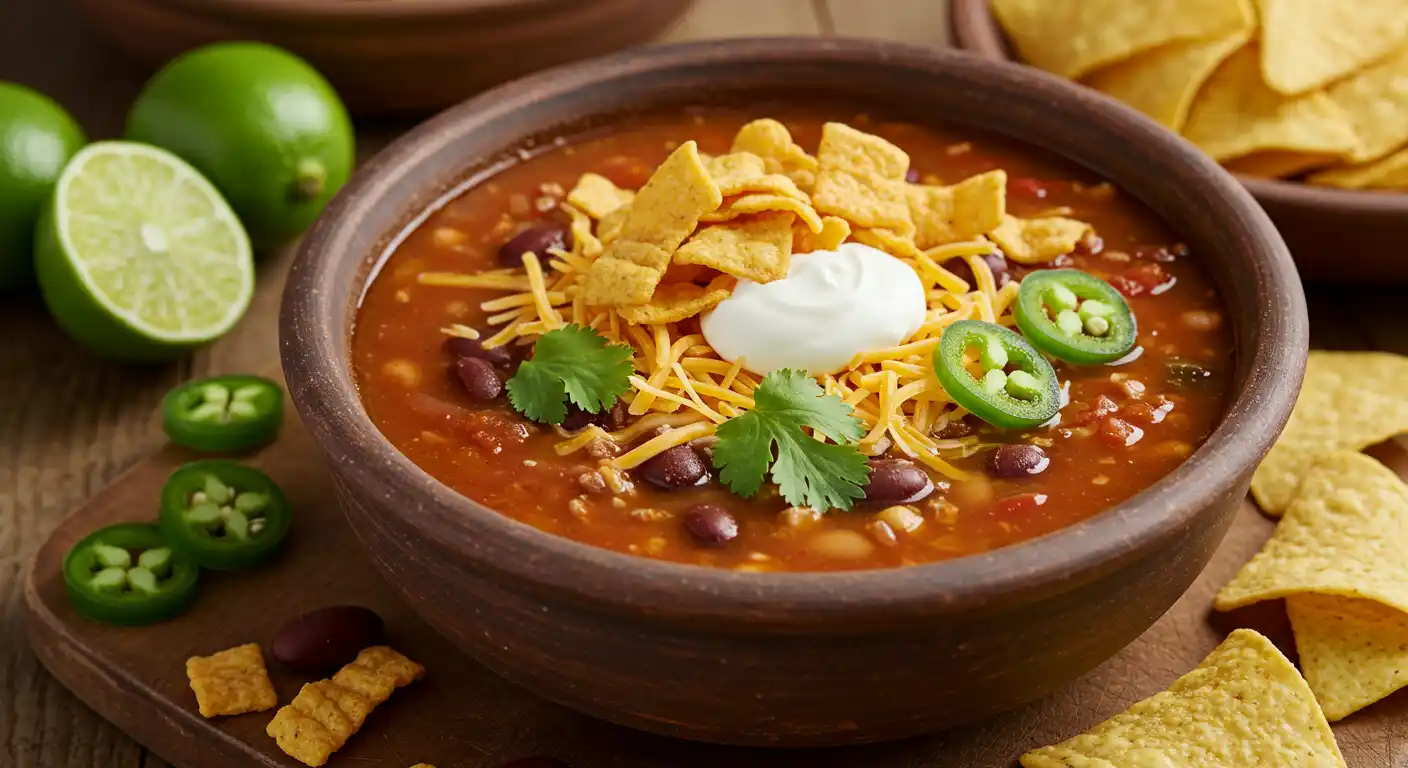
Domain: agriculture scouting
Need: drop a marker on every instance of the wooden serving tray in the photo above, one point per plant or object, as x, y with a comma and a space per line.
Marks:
463, 716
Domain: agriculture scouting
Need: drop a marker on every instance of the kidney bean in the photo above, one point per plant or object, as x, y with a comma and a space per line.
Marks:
327, 638
711, 525
997, 264
462, 347
897, 481
480, 379
912, 175
1017, 461
611, 419
536, 239
674, 468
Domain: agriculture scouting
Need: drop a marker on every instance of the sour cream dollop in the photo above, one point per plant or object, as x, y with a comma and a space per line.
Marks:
831, 306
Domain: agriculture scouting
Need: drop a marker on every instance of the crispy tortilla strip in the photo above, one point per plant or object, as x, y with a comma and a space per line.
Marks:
834, 231
1376, 101
757, 248
678, 301
860, 178
598, 196
1350, 401
770, 140
1308, 43
1236, 114
1277, 164
963, 211
889, 242
1037, 241
764, 203
1353, 652
1074, 38
608, 230
744, 172
1245, 706
231, 682
663, 214
584, 243
1163, 82
1385, 173
1345, 534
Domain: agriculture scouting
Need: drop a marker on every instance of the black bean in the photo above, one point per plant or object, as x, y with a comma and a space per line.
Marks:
480, 379
611, 419
536, 239
1019, 460
997, 264
897, 481
674, 468
710, 524
462, 347
327, 638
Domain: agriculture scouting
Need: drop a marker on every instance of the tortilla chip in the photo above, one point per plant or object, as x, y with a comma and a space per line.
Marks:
1037, 241
963, 211
770, 140
890, 242
1353, 652
231, 682
1376, 101
1385, 173
834, 231
742, 172
678, 301
1277, 164
1074, 38
584, 243
1163, 82
1345, 534
598, 196
1350, 401
1308, 43
860, 178
608, 230
1236, 114
757, 248
760, 203
1245, 706
619, 283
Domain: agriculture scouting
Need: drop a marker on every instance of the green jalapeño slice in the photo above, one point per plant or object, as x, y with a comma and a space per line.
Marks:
224, 515
1075, 316
226, 413
1016, 388
128, 574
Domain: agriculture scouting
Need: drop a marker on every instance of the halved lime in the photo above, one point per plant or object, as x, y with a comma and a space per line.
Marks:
138, 256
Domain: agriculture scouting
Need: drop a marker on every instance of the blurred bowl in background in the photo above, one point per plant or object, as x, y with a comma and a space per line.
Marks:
392, 56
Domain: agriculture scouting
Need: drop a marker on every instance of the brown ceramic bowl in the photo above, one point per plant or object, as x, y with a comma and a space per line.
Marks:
775, 658
392, 55
1334, 234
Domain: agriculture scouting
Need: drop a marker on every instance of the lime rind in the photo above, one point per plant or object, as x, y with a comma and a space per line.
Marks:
140, 256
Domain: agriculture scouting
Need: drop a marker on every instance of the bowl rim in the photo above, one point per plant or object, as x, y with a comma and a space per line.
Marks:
327, 10
975, 29
325, 394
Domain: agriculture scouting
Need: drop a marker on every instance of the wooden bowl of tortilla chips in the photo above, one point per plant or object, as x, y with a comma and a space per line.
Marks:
1306, 102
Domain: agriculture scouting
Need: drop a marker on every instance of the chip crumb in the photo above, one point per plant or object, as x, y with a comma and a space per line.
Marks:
231, 682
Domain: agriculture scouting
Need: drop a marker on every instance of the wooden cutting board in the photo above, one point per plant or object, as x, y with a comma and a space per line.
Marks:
462, 716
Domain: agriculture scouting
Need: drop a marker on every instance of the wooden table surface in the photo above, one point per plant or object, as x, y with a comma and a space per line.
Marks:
69, 422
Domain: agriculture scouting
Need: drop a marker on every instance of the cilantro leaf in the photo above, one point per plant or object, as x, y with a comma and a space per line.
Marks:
570, 362
808, 472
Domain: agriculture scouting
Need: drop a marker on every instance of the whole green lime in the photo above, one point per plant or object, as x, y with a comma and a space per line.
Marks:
260, 123
37, 138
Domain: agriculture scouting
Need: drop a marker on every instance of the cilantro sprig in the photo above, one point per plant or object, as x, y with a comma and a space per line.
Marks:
570, 362
807, 471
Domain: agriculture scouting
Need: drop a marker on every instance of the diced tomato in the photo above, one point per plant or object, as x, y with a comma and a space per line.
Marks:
1102, 407
1020, 504
1027, 187
1119, 433
1148, 413
1149, 278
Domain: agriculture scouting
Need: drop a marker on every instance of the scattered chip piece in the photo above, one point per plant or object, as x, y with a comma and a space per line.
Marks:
860, 178
963, 211
325, 714
763, 203
1350, 400
1353, 652
757, 248
678, 301
1237, 114
1308, 43
834, 231
597, 196
1376, 102
743, 172
1162, 83
1074, 38
889, 241
584, 243
1245, 706
770, 140
608, 230
1389, 172
1038, 241
231, 682
1344, 534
